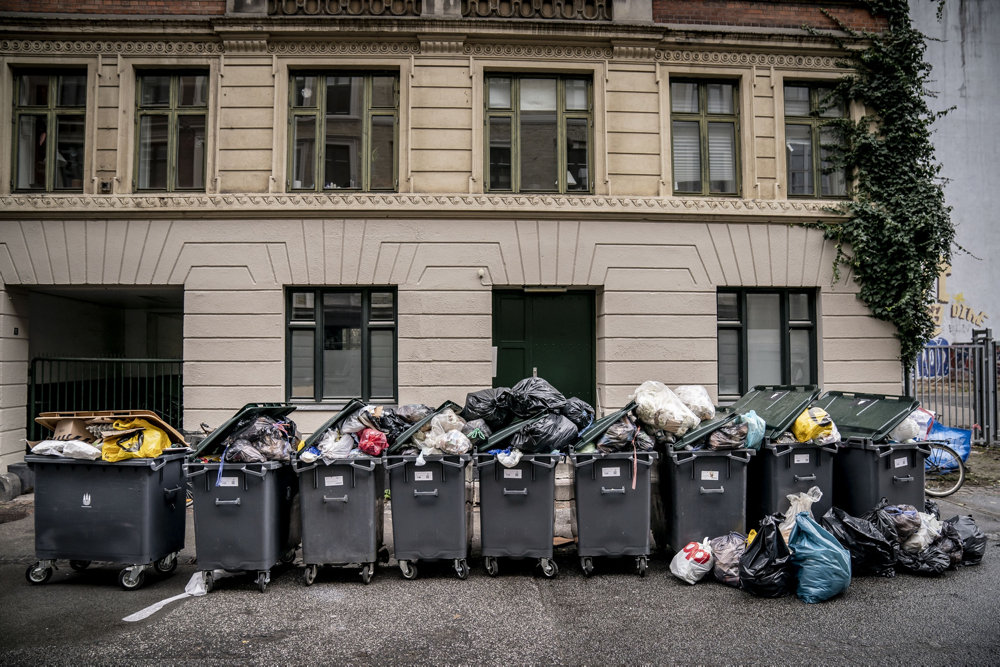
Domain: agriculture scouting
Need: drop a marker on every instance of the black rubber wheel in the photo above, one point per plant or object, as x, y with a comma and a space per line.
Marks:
262, 581
462, 568
492, 567
587, 565
209, 582
309, 574
288, 557
408, 569
641, 565
549, 567
37, 575
79, 565
367, 570
128, 583
166, 565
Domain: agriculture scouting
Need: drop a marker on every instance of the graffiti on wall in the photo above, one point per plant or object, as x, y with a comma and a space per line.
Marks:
954, 318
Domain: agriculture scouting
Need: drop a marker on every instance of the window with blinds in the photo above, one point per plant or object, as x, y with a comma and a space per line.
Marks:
811, 143
704, 124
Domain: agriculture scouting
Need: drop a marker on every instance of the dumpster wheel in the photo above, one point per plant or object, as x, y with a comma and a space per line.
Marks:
641, 563
309, 574
461, 568
587, 565
130, 581
492, 568
37, 574
549, 567
167, 564
209, 581
408, 569
367, 570
79, 565
263, 579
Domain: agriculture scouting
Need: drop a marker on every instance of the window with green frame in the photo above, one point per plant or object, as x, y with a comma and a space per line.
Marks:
704, 130
171, 117
49, 118
765, 337
342, 131
809, 142
538, 133
341, 344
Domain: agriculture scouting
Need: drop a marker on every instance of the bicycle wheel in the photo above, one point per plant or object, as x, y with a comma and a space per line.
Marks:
944, 471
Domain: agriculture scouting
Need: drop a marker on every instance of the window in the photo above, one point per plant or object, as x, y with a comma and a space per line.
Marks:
766, 337
49, 118
171, 113
704, 124
342, 131
538, 132
341, 344
810, 141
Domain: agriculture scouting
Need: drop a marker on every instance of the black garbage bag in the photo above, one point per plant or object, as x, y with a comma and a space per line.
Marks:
578, 411
533, 395
728, 549
623, 436
950, 543
387, 421
931, 507
766, 566
551, 432
929, 562
414, 412
871, 553
973, 539
477, 431
490, 405
884, 523
242, 451
906, 518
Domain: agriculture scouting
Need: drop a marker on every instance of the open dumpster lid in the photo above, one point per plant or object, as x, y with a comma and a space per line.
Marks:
594, 432
352, 406
212, 444
406, 435
871, 416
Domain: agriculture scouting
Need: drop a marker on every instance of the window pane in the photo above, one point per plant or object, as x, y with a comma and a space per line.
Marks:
798, 154
381, 355
33, 90
342, 344
763, 328
191, 151
830, 105
801, 354
384, 92
192, 90
72, 90
687, 156
302, 362
500, 154
798, 308
304, 152
720, 97
576, 95
383, 141
499, 93
31, 136
153, 153
304, 91
722, 157
69, 152
577, 155
834, 183
538, 94
155, 90
382, 309
343, 96
303, 306
727, 308
538, 141
684, 97
796, 101
729, 361
342, 152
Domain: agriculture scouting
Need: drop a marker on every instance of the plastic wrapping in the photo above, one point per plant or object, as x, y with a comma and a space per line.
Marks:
445, 421
906, 430
657, 406
824, 566
929, 562
533, 395
973, 539
624, 435
950, 543
242, 451
490, 405
906, 518
578, 411
385, 420
551, 432
452, 442
353, 424
414, 412
797, 503
74, 449
697, 399
812, 424
756, 427
927, 533
727, 550
693, 562
732, 435
765, 567
373, 442
147, 443
884, 523
334, 445
871, 553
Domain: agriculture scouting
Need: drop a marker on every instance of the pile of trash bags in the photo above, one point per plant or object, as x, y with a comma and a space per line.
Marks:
261, 438
121, 440
368, 431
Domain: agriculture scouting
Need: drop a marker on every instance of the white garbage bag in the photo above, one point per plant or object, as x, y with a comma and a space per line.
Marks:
693, 562
659, 407
696, 398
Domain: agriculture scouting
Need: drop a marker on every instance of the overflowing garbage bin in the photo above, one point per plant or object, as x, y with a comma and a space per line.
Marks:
123, 511
341, 501
245, 517
612, 495
868, 467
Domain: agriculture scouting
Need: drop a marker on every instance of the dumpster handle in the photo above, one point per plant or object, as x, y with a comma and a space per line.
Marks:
805, 478
390, 466
908, 478
515, 492
551, 464
261, 474
580, 464
926, 451
721, 489
606, 491
153, 467
646, 461
327, 499
883, 454
786, 451
680, 461
227, 502
484, 462
190, 474
173, 490
453, 464
741, 459
366, 468
417, 492
831, 448
296, 467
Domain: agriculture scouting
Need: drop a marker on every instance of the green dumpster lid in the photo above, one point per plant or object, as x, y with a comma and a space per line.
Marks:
496, 440
405, 436
352, 406
871, 416
212, 444
601, 426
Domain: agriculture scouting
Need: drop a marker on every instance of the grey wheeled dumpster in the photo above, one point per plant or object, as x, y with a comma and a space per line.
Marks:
243, 512
868, 467
341, 503
128, 511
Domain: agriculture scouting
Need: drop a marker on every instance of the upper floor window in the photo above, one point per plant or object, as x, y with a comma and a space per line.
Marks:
49, 120
538, 133
704, 125
171, 114
343, 130
808, 142
765, 337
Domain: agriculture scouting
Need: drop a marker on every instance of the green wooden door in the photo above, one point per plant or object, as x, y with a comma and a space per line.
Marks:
550, 332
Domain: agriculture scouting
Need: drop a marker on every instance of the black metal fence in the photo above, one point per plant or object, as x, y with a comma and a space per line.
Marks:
71, 384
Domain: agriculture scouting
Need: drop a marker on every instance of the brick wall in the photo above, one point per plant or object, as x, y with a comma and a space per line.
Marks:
774, 14
147, 7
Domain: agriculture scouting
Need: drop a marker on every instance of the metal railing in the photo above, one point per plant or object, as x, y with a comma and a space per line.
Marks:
958, 382
62, 384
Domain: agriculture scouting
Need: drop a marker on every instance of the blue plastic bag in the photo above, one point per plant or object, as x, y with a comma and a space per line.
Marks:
959, 439
824, 565
755, 430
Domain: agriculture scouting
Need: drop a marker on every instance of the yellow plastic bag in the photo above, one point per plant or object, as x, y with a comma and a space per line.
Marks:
145, 444
812, 423
753, 534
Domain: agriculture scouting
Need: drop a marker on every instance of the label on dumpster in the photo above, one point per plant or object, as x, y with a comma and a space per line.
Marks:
229, 481
710, 475
337, 480
512, 474
611, 472
901, 463
801, 458
423, 476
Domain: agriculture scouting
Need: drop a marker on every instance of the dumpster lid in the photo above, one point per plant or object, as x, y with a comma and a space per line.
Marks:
352, 406
496, 440
212, 443
405, 436
871, 416
600, 426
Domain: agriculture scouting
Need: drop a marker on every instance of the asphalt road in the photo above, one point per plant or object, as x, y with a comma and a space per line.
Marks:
518, 617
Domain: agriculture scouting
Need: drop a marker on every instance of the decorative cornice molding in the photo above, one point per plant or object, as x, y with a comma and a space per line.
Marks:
742, 58
531, 51
342, 48
442, 45
245, 44
93, 47
627, 50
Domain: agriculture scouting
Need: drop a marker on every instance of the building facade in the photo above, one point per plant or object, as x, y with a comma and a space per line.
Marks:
405, 201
